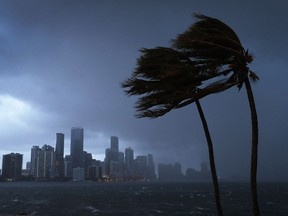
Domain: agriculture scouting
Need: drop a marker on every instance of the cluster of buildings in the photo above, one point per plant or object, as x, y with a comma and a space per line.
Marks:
48, 162
170, 172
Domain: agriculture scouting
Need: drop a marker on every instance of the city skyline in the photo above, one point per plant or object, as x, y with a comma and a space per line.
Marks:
43, 166
76, 153
55, 155
61, 139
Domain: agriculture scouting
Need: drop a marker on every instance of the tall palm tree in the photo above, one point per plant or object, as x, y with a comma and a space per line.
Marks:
214, 45
166, 79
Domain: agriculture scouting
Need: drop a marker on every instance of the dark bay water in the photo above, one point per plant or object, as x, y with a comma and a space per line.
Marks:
137, 199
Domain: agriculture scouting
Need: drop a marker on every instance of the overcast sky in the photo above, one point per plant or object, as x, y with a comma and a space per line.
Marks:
62, 63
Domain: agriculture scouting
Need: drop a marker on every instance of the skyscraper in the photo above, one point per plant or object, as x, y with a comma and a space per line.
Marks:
111, 156
76, 149
151, 168
35, 151
68, 171
114, 143
47, 161
141, 163
42, 161
129, 157
12, 165
59, 155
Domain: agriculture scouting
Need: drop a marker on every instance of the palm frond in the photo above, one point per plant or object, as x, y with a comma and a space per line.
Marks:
208, 36
253, 76
169, 78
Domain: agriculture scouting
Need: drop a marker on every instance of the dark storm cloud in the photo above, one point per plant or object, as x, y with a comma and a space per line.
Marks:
67, 60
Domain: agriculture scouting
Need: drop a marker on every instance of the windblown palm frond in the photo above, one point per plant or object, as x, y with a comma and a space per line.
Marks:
194, 67
170, 78
209, 38
213, 44
164, 77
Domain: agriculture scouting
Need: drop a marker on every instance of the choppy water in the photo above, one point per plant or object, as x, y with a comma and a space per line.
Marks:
137, 199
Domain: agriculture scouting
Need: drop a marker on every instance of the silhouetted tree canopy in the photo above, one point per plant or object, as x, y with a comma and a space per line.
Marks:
170, 78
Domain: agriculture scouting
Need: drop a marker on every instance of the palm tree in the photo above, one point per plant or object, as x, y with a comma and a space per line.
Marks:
214, 45
166, 79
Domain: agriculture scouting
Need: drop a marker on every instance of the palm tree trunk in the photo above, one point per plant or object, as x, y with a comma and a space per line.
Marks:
211, 158
254, 153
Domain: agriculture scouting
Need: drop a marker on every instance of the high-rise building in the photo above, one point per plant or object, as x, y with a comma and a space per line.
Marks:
78, 174
12, 165
42, 161
177, 170
129, 157
151, 168
59, 155
34, 161
141, 163
47, 160
121, 157
111, 157
76, 149
150, 160
114, 143
114, 160
28, 165
68, 170
94, 172
87, 161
